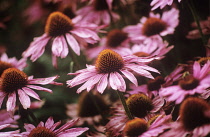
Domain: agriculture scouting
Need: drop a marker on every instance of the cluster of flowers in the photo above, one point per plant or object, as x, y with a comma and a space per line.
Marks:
122, 60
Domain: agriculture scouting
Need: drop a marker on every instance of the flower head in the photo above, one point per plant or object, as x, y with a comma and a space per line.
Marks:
48, 129
15, 83
196, 83
153, 26
98, 12
64, 32
6, 63
109, 69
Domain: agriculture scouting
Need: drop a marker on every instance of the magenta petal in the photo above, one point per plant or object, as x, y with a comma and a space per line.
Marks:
102, 83
65, 50
130, 76
31, 93
69, 124
39, 88
73, 43
11, 102
57, 46
24, 99
42, 81
49, 123
29, 127
111, 81
73, 132
121, 82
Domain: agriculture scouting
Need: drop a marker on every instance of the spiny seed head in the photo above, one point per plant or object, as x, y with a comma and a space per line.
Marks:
192, 113
109, 61
153, 26
116, 37
42, 132
141, 54
139, 104
4, 66
155, 84
13, 79
135, 127
87, 107
188, 82
100, 5
58, 24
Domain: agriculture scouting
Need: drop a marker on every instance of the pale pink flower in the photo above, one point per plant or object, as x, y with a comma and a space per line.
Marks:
16, 84
49, 129
98, 12
5, 118
161, 3
196, 83
157, 48
116, 40
193, 119
6, 62
110, 69
9, 133
64, 32
153, 26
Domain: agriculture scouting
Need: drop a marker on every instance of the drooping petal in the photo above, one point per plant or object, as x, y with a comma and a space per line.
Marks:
121, 85
49, 123
112, 81
24, 99
31, 93
130, 76
69, 124
39, 88
42, 81
11, 102
57, 46
102, 83
73, 43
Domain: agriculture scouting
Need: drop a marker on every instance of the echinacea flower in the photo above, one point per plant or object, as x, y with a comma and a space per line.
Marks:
86, 110
161, 3
157, 48
139, 127
192, 84
116, 40
194, 119
16, 84
64, 32
98, 12
5, 118
109, 69
153, 26
6, 62
48, 129
9, 133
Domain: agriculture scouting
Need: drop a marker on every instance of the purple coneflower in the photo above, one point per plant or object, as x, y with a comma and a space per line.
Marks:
48, 129
6, 63
153, 26
15, 83
192, 84
161, 3
64, 32
98, 12
116, 40
194, 119
109, 69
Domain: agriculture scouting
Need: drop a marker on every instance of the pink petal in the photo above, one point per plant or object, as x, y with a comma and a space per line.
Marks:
69, 124
39, 88
57, 46
42, 81
140, 71
29, 127
130, 76
102, 83
73, 43
24, 99
11, 102
31, 93
49, 123
196, 69
2, 98
111, 81
121, 85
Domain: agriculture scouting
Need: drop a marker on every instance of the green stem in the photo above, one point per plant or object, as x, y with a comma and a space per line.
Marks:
195, 16
122, 99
